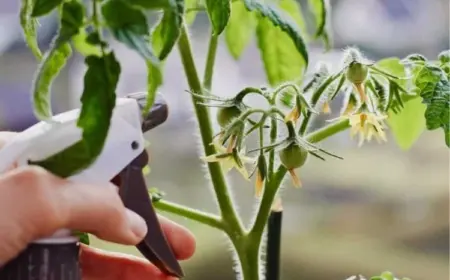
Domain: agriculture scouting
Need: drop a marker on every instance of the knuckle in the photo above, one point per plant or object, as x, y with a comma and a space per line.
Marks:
32, 175
36, 187
115, 209
116, 205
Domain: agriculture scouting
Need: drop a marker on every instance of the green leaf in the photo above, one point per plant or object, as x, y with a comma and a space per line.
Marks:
43, 7
294, 9
167, 32
98, 101
150, 4
239, 30
129, 26
84, 237
52, 63
154, 81
72, 17
387, 275
444, 57
322, 10
282, 60
278, 23
163, 37
81, 44
434, 88
29, 28
408, 124
219, 13
190, 10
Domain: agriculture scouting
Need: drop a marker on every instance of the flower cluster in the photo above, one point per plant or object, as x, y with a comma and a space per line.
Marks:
369, 94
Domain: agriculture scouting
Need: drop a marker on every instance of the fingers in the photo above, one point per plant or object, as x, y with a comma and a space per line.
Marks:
100, 265
34, 204
181, 240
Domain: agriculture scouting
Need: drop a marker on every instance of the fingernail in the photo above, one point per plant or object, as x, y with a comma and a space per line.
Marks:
137, 224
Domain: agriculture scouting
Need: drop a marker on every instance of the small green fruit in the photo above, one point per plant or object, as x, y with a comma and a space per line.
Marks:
357, 72
227, 114
293, 156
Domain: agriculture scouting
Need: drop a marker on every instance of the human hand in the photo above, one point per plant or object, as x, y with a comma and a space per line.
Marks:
34, 204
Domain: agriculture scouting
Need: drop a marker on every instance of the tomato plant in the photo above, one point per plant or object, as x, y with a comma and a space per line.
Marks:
376, 92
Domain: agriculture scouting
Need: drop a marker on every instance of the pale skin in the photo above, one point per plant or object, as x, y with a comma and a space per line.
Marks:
34, 204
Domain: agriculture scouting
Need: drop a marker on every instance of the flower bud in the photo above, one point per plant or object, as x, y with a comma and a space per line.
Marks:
357, 72
293, 156
261, 174
227, 114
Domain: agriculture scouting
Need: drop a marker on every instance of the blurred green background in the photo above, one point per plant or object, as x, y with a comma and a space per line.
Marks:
380, 209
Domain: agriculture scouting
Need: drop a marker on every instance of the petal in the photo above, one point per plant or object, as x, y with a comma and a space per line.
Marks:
227, 165
211, 158
243, 171
295, 179
326, 108
293, 116
361, 138
258, 185
353, 131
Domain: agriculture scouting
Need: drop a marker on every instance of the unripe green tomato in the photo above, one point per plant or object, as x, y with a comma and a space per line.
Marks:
293, 156
357, 73
227, 114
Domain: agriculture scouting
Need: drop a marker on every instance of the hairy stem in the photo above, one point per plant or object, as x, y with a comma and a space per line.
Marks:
190, 213
270, 190
273, 139
227, 209
210, 60
327, 131
249, 259
254, 237
273, 184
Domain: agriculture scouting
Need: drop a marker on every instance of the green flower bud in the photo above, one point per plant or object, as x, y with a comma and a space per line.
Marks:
293, 156
226, 114
357, 72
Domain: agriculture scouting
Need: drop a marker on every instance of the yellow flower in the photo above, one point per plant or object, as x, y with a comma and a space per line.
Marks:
259, 183
367, 125
261, 174
230, 160
293, 115
348, 109
326, 108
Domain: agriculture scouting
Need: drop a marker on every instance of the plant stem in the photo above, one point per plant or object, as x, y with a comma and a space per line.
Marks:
249, 259
227, 210
270, 190
327, 131
210, 60
272, 186
190, 213
273, 138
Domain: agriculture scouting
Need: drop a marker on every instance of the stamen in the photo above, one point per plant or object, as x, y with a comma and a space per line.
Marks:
363, 119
